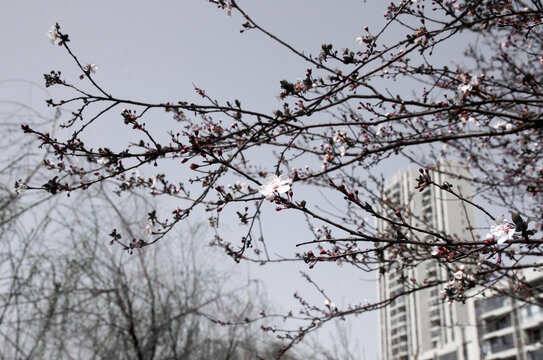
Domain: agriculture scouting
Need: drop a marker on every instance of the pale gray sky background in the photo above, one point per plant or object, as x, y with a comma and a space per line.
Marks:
156, 50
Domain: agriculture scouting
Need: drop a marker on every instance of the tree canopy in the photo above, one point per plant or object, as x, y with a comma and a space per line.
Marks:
350, 111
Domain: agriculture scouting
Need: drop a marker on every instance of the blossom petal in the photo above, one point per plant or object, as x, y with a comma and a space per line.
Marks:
283, 178
501, 240
264, 189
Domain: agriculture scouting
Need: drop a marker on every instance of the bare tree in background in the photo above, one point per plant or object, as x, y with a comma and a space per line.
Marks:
20, 262
164, 303
65, 294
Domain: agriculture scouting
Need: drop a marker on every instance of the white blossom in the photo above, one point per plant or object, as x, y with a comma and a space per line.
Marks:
469, 86
274, 183
53, 34
339, 136
459, 275
90, 68
228, 8
102, 160
502, 231
147, 231
20, 186
241, 185
501, 124
473, 120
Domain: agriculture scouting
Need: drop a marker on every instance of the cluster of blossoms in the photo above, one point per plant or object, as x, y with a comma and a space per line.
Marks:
228, 8
240, 185
330, 305
455, 289
470, 84
436, 250
20, 186
54, 36
469, 119
340, 141
503, 125
102, 160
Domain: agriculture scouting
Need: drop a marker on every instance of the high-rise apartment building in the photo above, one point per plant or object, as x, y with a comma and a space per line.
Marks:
420, 325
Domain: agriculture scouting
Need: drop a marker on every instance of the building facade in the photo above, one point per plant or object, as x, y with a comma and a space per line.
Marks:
420, 325
510, 328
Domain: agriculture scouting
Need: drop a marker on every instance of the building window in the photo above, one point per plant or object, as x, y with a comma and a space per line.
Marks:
426, 202
498, 323
497, 344
531, 313
536, 355
449, 356
490, 304
534, 336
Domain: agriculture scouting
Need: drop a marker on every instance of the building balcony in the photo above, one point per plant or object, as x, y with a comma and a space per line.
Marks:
492, 306
434, 314
530, 324
500, 346
502, 355
401, 350
531, 314
435, 334
498, 333
534, 352
496, 312
495, 323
